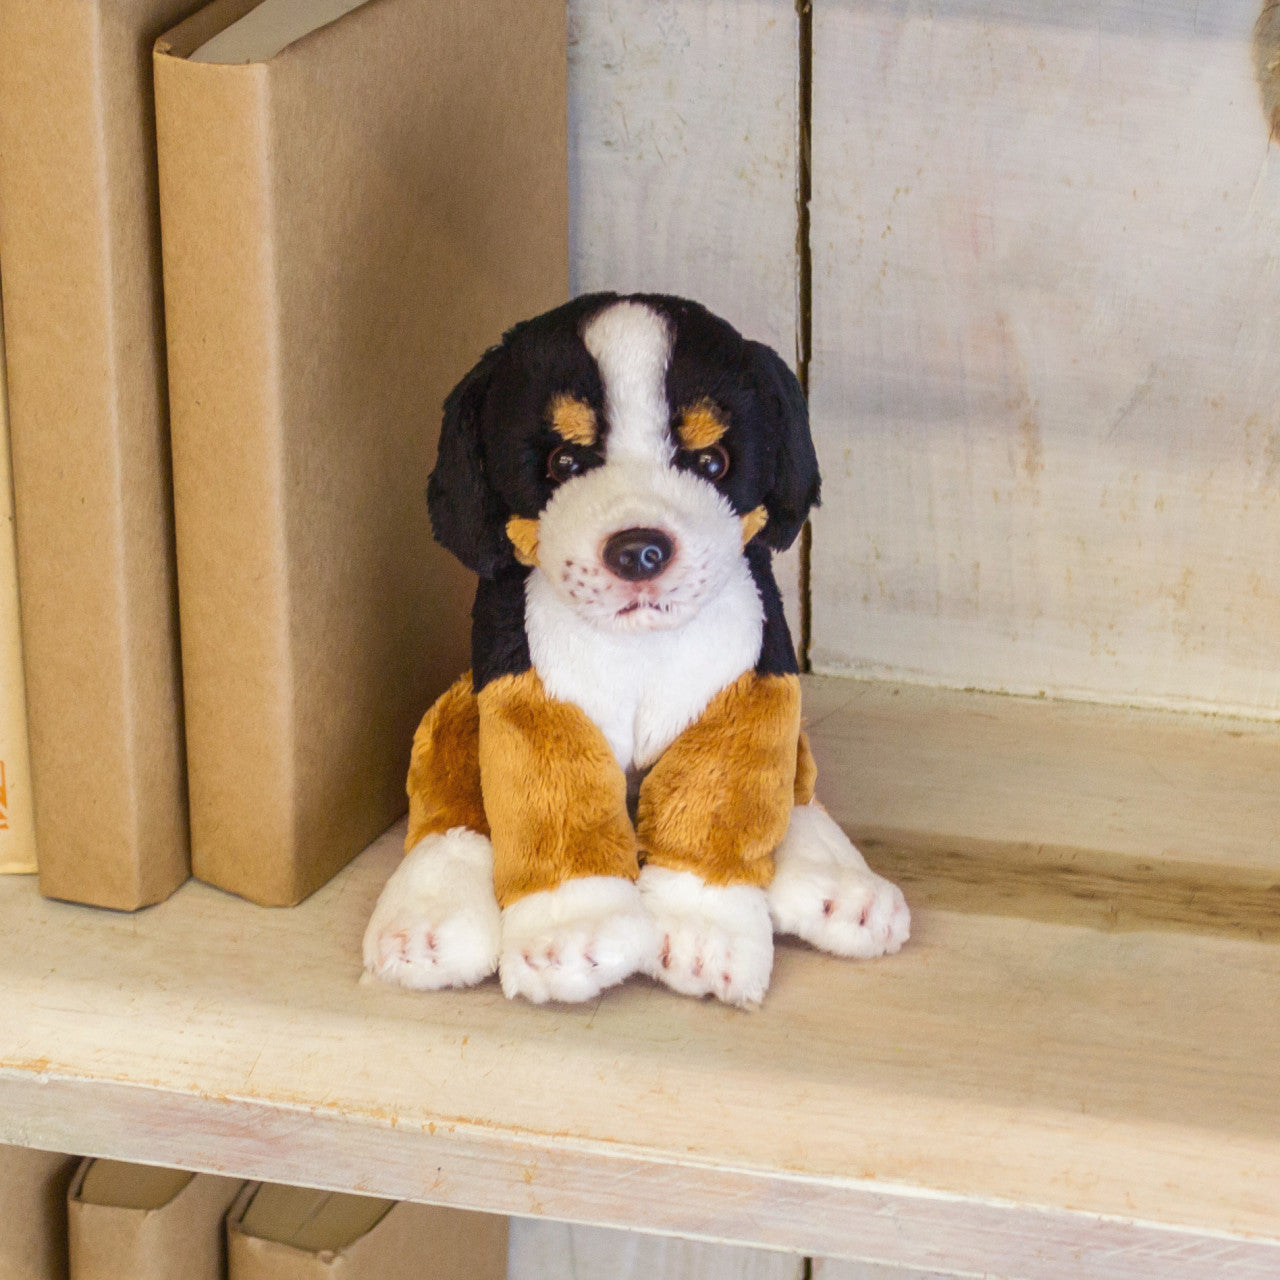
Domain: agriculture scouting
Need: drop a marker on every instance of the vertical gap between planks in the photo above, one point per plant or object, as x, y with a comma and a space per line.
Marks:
804, 271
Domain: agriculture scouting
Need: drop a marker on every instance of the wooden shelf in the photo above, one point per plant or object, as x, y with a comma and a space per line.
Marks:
1073, 1068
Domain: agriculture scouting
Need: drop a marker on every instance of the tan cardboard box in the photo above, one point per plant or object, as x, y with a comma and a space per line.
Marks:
17, 814
135, 1222
79, 238
346, 227
288, 1233
33, 1213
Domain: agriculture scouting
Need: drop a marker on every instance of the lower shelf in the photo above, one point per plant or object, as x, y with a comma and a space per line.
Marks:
1073, 1068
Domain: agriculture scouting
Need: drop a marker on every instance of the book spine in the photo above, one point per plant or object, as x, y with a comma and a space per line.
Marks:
79, 241
17, 820
121, 1241
223, 346
320, 1236
33, 1211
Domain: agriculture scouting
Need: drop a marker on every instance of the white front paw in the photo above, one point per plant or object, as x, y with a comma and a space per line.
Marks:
571, 942
824, 892
437, 922
712, 940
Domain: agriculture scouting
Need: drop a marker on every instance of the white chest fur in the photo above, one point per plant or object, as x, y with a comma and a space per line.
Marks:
643, 688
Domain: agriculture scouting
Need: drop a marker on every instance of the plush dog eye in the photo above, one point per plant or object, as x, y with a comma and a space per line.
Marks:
712, 463
567, 461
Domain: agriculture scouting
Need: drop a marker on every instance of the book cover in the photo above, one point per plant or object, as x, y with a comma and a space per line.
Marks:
33, 1213
347, 225
290, 1233
135, 1222
79, 240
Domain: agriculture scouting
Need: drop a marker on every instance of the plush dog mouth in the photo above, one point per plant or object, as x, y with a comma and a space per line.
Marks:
649, 615
636, 605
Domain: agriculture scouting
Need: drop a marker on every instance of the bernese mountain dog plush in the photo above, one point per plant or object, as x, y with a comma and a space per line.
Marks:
621, 784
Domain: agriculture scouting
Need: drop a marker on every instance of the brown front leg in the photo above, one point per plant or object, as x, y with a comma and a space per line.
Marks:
444, 769
554, 795
718, 800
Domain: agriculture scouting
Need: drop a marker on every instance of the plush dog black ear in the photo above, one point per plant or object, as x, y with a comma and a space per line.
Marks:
467, 516
796, 481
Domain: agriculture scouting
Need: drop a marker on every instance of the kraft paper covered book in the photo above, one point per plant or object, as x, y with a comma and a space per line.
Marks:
289, 1233
347, 223
33, 1213
17, 822
79, 242
134, 1222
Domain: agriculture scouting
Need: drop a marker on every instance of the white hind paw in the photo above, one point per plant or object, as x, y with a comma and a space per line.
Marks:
824, 892
437, 923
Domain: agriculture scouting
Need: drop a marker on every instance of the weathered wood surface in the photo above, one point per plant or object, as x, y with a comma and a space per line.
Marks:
840, 1269
1119, 786
683, 162
1046, 317
683, 136
1023, 1096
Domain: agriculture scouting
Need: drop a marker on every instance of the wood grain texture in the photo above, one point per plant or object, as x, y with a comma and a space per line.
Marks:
683, 131
842, 1269
1047, 349
932, 764
560, 1251
1010, 1095
683, 156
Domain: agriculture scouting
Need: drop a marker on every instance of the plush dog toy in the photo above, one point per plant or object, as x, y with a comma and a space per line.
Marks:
621, 785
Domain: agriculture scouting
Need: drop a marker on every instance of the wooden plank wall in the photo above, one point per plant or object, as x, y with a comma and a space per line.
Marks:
683, 162
1046, 372
558, 1251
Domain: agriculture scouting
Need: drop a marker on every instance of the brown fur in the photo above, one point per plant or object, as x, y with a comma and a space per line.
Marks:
752, 523
701, 426
806, 771
718, 800
554, 794
523, 533
444, 769
573, 421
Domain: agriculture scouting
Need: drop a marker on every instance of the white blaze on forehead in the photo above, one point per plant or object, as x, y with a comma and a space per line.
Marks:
631, 345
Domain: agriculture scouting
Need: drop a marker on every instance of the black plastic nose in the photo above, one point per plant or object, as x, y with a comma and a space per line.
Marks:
637, 554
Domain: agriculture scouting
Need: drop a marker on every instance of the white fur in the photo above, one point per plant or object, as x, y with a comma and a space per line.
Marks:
631, 345
711, 940
824, 892
643, 689
705, 531
642, 659
437, 922
573, 941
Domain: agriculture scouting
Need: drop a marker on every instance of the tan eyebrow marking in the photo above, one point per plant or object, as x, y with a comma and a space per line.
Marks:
701, 425
573, 420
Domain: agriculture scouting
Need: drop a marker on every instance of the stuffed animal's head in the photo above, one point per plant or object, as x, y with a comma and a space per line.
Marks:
628, 448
